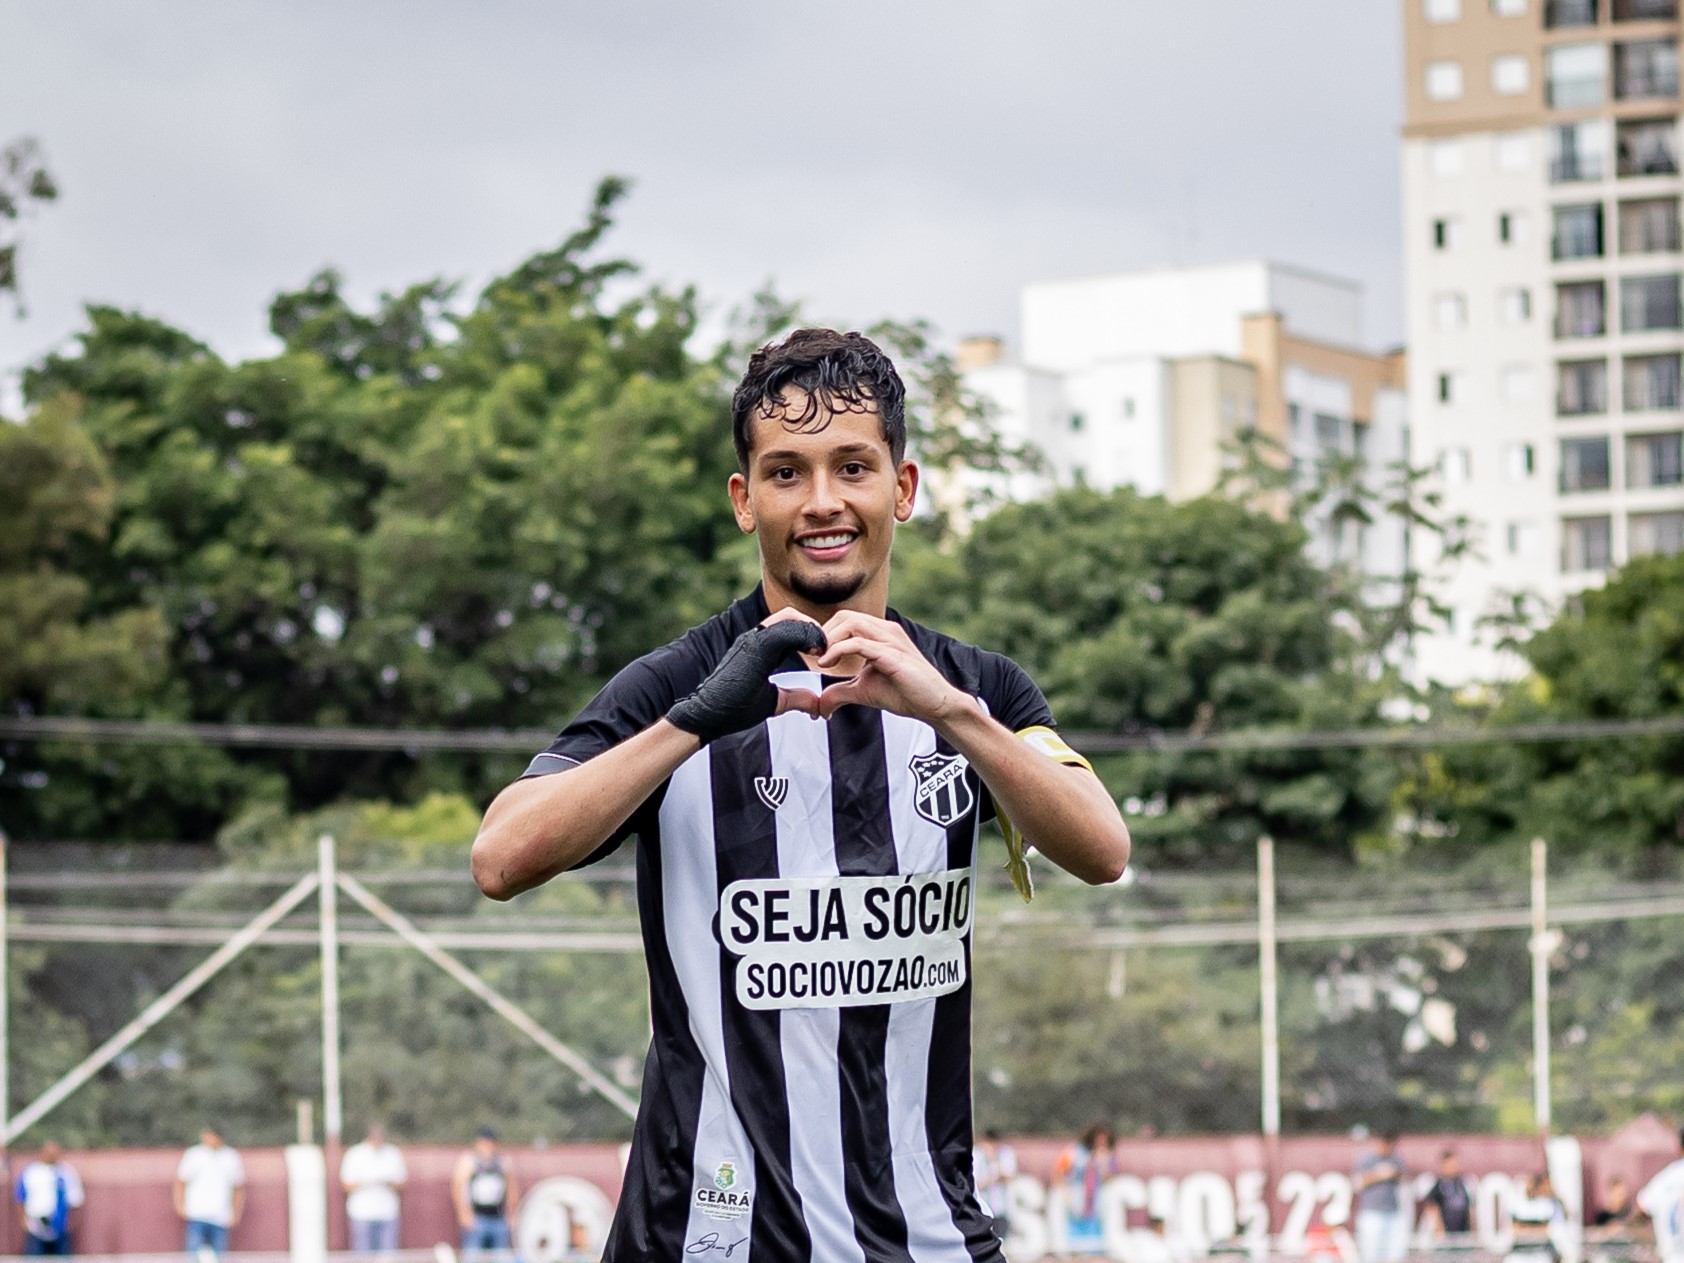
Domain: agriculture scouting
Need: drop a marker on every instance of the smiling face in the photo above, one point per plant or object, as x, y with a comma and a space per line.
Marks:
823, 501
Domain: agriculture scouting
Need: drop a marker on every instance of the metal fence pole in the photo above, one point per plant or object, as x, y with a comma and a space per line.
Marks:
1541, 945
332, 1115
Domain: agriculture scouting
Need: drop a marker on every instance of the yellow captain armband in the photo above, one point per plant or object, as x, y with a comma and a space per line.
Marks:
1047, 742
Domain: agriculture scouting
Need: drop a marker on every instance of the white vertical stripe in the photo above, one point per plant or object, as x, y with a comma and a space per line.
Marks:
920, 847
690, 898
808, 1037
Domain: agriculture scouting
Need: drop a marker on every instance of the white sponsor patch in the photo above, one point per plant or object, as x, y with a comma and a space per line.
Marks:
830, 942
726, 1198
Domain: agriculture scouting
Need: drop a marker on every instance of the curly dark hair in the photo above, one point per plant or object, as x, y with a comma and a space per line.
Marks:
841, 372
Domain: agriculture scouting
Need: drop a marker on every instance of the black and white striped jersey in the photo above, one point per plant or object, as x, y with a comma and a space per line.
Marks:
806, 891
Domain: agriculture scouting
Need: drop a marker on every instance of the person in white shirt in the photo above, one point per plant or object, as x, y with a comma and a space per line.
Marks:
1662, 1199
210, 1193
373, 1174
48, 1192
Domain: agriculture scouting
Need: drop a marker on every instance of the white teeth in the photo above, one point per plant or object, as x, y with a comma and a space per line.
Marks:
826, 541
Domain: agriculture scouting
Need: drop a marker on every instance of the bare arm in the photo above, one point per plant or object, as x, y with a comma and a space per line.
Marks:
239, 1204
178, 1197
545, 825
459, 1191
1065, 811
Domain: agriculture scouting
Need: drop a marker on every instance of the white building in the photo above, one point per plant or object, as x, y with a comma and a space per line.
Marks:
1541, 213
1141, 379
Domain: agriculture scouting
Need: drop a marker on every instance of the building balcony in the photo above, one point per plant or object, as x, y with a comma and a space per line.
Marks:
1645, 10
1559, 14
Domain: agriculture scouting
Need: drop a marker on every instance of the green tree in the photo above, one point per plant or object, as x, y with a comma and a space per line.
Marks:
25, 184
1140, 616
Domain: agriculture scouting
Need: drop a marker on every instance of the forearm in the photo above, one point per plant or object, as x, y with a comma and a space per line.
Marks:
544, 825
1063, 810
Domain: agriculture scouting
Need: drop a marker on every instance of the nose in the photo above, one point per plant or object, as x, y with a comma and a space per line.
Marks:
826, 498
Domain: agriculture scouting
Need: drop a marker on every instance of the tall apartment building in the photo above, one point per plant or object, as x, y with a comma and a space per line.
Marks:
1545, 327
1142, 379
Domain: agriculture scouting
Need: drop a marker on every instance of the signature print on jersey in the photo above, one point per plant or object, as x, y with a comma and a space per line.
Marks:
942, 794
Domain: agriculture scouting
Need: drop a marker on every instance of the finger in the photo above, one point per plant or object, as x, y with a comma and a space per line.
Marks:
853, 692
786, 634
804, 700
784, 615
870, 650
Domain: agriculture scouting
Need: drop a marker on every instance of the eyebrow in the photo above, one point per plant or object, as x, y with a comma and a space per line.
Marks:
849, 449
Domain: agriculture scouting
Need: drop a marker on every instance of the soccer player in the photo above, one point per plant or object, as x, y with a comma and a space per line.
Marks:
807, 773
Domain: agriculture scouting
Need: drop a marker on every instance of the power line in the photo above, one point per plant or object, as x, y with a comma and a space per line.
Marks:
526, 741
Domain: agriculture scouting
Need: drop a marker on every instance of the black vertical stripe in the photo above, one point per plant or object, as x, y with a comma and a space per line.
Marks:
865, 847
746, 846
655, 1196
947, 1100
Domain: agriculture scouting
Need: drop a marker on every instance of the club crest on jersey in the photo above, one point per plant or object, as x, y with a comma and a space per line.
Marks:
772, 790
942, 794
725, 1175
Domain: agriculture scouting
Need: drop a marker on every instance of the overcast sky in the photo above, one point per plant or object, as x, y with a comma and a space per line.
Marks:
875, 158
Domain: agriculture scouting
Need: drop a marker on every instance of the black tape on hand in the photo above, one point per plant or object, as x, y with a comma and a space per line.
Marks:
738, 694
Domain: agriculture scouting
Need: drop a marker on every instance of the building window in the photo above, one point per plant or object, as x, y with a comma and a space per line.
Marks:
1455, 465
1522, 538
1511, 74
1560, 13
1450, 311
1578, 151
1519, 462
1650, 302
1449, 387
1444, 81
1442, 10
1512, 151
1655, 533
1644, 10
1446, 157
1514, 305
1655, 460
1587, 543
1508, 8
1652, 383
1584, 464
1581, 387
1517, 383
1575, 75
1581, 309
1511, 227
1076, 421
1649, 226
1578, 231
1647, 146
1645, 68
1446, 232
1330, 433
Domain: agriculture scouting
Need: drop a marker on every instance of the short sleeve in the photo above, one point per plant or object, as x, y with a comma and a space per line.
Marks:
73, 1194
236, 1170
184, 1168
1012, 697
628, 704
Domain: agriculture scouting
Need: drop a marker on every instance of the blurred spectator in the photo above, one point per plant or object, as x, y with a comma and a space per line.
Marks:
49, 1193
1616, 1207
1662, 1199
483, 1189
996, 1167
1083, 1168
373, 1174
1449, 1202
210, 1193
1382, 1232
1538, 1219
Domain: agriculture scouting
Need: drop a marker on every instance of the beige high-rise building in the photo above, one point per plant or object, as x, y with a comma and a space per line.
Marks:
1545, 323
1143, 379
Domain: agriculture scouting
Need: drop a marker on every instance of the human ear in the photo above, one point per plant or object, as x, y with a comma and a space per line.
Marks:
906, 490
740, 506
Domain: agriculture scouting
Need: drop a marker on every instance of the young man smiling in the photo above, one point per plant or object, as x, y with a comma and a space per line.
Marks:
807, 774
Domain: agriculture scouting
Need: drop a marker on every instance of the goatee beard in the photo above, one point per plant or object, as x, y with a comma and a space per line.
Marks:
826, 591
